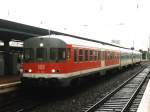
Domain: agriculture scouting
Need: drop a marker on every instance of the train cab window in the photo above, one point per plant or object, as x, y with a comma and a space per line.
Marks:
91, 55
53, 54
86, 55
75, 55
28, 54
80, 55
41, 54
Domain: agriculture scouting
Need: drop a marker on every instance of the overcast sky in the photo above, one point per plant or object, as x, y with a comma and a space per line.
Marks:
105, 20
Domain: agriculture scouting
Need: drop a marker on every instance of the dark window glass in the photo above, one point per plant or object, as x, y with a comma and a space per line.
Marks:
86, 55
107, 56
91, 55
111, 55
80, 55
102, 55
61, 54
95, 55
53, 54
99, 55
41, 54
68, 53
57, 54
80, 58
75, 55
28, 54
80, 52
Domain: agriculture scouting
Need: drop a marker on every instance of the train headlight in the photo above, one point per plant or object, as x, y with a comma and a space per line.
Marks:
53, 70
30, 70
41, 44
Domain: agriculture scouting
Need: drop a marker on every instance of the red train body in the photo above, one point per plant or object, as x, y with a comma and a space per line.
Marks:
59, 60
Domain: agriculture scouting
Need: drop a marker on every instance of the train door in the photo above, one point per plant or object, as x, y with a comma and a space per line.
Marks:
102, 58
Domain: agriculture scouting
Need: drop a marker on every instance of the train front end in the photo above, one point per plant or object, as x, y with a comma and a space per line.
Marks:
44, 62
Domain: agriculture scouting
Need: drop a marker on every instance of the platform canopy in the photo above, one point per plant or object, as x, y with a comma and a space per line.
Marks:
17, 31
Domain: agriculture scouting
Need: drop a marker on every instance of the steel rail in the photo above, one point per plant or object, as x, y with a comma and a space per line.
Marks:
96, 105
126, 107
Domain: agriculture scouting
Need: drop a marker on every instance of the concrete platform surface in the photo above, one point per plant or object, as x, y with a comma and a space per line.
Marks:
145, 102
9, 79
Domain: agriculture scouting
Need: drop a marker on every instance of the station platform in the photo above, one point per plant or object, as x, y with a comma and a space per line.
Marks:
9, 83
145, 102
5, 79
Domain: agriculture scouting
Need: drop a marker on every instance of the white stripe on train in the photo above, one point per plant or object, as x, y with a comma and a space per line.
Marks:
67, 75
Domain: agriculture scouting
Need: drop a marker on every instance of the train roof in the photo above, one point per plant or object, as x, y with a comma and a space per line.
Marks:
48, 42
78, 42
61, 40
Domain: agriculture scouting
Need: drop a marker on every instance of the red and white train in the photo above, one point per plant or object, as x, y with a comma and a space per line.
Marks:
59, 60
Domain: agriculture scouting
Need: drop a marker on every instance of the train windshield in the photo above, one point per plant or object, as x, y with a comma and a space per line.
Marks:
28, 54
41, 54
45, 54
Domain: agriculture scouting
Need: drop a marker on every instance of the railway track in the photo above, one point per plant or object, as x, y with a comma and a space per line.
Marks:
21, 103
120, 99
27, 102
135, 104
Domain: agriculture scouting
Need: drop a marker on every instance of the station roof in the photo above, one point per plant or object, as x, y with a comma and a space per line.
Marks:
12, 30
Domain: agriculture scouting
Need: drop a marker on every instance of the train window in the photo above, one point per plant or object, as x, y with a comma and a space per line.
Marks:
91, 55
107, 56
99, 55
61, 54
41, 54
95, 55
80, 52
57, 54
113, 55
28, 54
116, 56
53, 54
110, 55
86, 55
80, 55
68, 53
102, 55
75, 55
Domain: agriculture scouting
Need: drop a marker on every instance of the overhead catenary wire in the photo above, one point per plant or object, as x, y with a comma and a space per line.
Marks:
87, 39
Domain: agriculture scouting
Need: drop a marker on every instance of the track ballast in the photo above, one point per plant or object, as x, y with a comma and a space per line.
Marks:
121, 98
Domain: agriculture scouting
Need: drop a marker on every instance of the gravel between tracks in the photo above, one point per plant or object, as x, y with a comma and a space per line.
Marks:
73, 100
